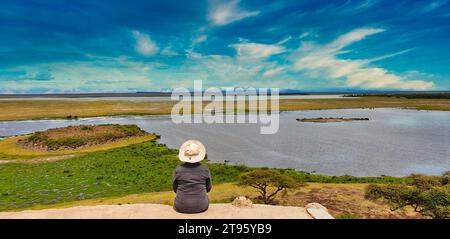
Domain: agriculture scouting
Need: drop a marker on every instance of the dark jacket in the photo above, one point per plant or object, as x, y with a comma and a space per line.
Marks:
191, 182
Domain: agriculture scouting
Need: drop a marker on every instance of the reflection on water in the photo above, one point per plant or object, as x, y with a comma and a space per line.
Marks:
393, 142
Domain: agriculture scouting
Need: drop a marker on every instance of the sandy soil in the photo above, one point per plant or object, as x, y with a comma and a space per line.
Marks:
158, 211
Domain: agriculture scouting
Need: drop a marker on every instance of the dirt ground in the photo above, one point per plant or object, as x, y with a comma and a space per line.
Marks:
346, 200
158, 211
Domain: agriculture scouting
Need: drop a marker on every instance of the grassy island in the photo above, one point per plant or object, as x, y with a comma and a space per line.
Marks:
331, 120
75, 137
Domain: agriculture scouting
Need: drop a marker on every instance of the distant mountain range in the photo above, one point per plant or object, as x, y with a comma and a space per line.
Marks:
168, 93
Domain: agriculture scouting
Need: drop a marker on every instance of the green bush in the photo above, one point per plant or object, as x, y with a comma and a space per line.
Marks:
66, 142
38, 137
87, 127
263, 179
130, 130
428, 195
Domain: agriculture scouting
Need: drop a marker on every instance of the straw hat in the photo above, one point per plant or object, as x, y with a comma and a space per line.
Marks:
192, 151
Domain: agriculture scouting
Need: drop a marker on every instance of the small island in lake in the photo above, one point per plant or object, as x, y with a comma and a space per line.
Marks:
75, 137
330, 120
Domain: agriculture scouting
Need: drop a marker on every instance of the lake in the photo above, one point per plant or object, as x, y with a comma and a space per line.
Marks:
393, 142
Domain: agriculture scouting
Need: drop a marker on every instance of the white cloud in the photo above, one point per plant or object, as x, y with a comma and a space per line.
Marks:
322, 61
37, 76
104, 74
225, 12
256, 50
168, 51
303, 35
250, 67
144, 44
273, 71
434, 5
199, 39
389, 55
284, 40
353, 36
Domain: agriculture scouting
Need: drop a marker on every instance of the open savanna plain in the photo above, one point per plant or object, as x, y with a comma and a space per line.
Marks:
52, 109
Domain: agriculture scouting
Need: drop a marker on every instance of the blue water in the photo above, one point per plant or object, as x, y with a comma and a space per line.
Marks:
393, 142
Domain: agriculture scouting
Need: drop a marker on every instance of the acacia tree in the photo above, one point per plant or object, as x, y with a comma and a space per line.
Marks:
265, 180
428, 195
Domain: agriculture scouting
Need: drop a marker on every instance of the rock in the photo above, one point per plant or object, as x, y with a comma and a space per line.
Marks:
158, 211
242, 201
317, 211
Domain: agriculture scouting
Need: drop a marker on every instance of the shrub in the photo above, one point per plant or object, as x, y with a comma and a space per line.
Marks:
428, 195
263, 179
87, 127
66, 142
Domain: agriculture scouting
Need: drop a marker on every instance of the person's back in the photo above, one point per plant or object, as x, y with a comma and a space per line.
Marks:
192, 180
191, 183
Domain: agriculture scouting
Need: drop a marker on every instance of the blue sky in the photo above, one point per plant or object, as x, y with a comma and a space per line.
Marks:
139, 45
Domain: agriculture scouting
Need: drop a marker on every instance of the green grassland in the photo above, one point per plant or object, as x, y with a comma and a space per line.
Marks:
138, 168
144, 167
12, 157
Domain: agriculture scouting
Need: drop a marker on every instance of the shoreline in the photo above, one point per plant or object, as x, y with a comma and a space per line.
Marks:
63, 109
168, 115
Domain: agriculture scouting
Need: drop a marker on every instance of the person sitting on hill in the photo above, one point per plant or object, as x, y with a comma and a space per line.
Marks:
191, 180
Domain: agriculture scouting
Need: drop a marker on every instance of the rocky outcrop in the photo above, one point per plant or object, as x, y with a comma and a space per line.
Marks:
242, 202
317, 211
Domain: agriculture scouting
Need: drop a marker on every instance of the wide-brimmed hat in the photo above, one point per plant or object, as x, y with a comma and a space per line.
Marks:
192, 151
